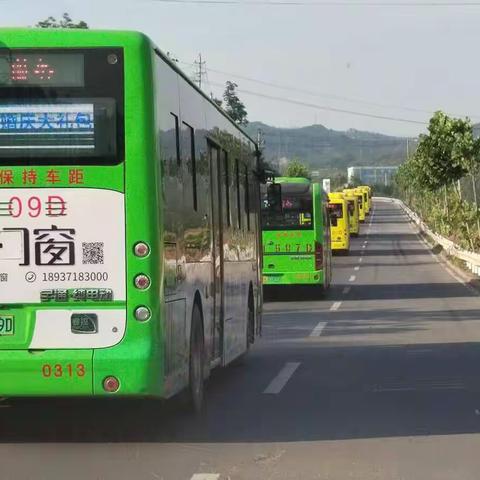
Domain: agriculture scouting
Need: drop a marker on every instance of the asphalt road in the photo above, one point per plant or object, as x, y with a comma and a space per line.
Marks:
379, 379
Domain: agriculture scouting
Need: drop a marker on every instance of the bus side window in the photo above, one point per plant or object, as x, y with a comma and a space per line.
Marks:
237, 191
247, 198
177, 137
226, 186
188, 150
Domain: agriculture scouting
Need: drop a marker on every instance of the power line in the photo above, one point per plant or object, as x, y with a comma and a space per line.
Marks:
302, 3
323, 107
325, 95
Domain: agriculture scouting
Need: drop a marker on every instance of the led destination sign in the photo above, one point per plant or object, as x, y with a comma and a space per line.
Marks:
42, 70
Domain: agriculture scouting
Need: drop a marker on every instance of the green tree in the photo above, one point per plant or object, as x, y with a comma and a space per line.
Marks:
437, 160
65, 22
233, 105
216, 100
466, 152
297, 169
338, 182
354, 182
444, 155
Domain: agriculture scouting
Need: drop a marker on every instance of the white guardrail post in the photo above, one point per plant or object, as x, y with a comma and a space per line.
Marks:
471, 259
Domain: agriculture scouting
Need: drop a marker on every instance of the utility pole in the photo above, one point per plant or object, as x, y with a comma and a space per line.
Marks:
260, 139
199, 70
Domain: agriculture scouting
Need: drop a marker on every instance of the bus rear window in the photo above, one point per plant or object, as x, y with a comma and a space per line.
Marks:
297, 213
351, 207
335, 210
61, 106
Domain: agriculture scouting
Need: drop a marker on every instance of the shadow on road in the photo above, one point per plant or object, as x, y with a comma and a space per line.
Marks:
337, 393
391, 237
402, 291
388, 252
294, 293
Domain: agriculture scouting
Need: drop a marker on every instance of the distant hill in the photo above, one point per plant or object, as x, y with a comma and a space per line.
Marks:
322, 148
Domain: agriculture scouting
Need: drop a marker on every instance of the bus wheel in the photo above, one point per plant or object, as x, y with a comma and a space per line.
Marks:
250, 337
197, 362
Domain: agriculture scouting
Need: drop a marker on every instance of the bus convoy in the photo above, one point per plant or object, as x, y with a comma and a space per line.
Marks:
302, 226
133, 214
296, 235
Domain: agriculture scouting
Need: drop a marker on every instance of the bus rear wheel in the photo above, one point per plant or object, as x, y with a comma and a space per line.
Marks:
196, 386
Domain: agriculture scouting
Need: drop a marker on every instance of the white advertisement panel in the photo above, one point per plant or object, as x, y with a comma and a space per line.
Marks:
61, 244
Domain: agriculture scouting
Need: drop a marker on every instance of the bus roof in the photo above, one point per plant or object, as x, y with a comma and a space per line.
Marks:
293, 180
336, 197
81, 37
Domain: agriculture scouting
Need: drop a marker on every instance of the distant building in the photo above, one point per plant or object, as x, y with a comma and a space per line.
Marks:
372, 175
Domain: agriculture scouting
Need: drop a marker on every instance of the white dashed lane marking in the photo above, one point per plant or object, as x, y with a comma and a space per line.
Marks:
277, 384
352, 278
357, 269
345, 290
317, 331
335, 306
360, 260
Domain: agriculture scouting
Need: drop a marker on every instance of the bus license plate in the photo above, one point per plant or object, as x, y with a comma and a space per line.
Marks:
7, 324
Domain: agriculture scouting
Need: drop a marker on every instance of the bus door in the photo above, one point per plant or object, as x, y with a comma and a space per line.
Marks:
217, 251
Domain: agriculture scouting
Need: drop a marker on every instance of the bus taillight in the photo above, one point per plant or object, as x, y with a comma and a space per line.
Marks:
142, 314
141, 249
111, 384
318, 256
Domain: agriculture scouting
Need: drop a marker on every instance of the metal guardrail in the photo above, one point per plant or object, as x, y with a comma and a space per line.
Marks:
471, 259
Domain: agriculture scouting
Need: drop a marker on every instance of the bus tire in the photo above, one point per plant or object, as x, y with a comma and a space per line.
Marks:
250, 331
196, 384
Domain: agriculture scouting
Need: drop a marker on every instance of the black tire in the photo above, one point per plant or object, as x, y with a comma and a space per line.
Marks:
250, 336
196, 384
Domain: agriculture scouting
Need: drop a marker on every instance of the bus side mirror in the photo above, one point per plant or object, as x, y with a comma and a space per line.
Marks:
274, 197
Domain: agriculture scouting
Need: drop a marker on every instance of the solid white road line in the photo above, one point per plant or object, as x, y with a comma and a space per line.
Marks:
335, 306
352, 278
277, 384
206, 476
317, 331
357, 268
345, 290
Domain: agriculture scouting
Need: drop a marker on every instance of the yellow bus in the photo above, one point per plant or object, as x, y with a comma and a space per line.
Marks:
353, 213
369, 190
339, 224
361, 203
366, 198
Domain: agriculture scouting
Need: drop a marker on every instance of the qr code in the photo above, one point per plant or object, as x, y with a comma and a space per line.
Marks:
92, 253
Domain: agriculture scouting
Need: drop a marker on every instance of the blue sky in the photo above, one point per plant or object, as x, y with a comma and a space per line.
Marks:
390, 61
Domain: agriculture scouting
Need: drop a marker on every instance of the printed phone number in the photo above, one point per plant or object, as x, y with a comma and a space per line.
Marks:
75, 277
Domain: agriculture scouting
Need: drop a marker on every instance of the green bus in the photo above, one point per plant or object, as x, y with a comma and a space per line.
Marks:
296, 235
129, 228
